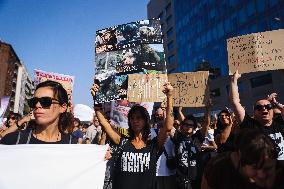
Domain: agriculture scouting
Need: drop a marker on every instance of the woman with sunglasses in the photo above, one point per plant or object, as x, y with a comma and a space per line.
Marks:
49, 106
135, 163
20, 124
11, 124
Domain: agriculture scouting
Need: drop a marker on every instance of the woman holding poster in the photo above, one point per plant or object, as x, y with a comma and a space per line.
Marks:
135, 163
49, 106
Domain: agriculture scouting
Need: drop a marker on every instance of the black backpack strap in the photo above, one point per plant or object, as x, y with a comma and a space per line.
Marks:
66, 139
24, 137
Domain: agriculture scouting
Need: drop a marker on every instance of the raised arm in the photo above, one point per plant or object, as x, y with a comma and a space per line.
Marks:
169, 122
17, 125
207, 116
103, 121
181, 117
235, 98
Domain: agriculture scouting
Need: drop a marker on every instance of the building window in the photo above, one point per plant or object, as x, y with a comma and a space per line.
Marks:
169, 19
168, 7
171, 59
161, 15
241, 88
261, 80
260, 6
170, 45
250, 8
170, 32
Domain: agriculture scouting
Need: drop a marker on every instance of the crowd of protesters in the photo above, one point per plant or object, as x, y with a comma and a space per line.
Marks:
229, 150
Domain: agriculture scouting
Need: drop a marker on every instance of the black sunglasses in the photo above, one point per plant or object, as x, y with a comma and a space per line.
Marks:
12, 117
45, 102
188, 125
260, 107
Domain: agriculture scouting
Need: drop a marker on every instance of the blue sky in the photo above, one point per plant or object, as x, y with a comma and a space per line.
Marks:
59, 35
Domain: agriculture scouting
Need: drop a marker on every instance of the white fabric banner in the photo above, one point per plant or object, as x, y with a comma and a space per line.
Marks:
60, 166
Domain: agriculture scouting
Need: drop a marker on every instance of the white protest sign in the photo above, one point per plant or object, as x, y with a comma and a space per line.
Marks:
52, 166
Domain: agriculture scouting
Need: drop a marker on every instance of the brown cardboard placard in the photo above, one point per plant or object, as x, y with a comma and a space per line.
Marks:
190, 88
256, 52
146, 87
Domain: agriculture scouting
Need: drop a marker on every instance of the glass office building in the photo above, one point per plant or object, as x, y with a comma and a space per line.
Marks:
202, 27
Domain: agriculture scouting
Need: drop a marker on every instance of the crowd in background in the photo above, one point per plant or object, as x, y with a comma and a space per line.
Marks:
168, 150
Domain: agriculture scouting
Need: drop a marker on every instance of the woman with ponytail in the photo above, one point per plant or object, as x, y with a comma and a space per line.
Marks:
52, 124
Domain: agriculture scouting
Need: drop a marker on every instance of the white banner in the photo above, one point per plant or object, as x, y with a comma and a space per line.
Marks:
60, 166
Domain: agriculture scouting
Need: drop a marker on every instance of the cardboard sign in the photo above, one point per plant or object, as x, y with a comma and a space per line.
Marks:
190, 88
256, 52
146, 87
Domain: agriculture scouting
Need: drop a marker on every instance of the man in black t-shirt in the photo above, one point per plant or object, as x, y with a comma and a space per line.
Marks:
262, 115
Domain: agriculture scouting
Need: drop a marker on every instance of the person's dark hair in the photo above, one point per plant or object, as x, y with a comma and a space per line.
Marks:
13, 114
219, 124
145, 115
190, 117
254, 145
85, 125
66, 119
77, 120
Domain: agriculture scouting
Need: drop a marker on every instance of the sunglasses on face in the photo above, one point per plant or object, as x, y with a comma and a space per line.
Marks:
45, 102
260, 107
12, 118
224, 115
188, 125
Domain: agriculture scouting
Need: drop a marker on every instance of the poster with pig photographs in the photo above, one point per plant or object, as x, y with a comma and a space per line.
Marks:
153, 57
150, 31
127, 35
121, 81
129, 60
106, 40
134, 47
108, 89
106, 62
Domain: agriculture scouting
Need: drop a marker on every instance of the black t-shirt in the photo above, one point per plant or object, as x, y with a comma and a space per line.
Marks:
228, 146
12, 138
187, 154
275, 131
136, 168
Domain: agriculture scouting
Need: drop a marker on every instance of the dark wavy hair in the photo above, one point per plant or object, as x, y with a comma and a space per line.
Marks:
145, 115
66, 119
219, 124
254, 145
16, 115
190, 117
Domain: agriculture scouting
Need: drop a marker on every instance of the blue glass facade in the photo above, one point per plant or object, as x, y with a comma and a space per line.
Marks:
202, 27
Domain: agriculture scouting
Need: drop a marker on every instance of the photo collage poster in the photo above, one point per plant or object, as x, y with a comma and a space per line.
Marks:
131, 48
